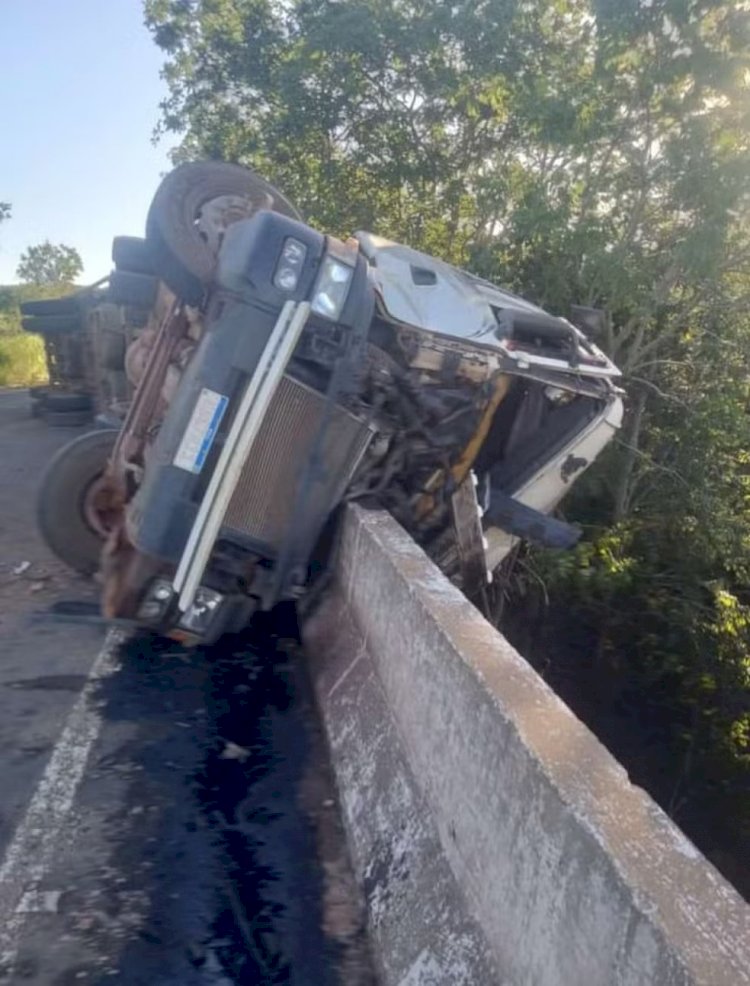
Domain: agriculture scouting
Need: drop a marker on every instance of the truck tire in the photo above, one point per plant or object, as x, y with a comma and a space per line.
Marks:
50, 324
127, 288
60, 501
68, 305
184, 256
67, 402
133, 254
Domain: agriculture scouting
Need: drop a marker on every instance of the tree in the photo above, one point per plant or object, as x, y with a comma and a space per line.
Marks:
50, 263
446, 124
4, 211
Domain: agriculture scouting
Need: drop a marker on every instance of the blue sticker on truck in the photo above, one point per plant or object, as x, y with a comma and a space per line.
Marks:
201, 430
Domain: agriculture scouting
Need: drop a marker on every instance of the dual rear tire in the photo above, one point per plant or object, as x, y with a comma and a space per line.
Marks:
60, 409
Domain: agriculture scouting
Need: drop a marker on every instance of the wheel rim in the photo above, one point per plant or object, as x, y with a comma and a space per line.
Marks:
98, 510
216, 215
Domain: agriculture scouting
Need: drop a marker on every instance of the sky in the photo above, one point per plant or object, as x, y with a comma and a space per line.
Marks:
79, 100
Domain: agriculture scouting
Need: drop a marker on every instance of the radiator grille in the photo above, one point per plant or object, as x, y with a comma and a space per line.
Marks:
262, 504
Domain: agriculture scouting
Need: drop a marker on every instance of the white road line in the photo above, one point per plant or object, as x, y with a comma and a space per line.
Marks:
42, 829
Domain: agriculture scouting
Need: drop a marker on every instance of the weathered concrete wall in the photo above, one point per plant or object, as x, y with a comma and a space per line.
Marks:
496, 838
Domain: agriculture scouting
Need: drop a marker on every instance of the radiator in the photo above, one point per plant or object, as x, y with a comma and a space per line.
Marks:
264, 499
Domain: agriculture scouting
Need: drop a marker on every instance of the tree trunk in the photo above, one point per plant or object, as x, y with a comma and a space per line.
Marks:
630, 439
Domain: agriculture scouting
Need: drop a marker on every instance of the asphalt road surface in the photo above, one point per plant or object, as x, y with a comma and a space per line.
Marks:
166, 817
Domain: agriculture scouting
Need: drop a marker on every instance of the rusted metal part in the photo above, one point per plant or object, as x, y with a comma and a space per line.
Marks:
124, 572
462, 466
218, 214
138, 354
101, 513
170, 324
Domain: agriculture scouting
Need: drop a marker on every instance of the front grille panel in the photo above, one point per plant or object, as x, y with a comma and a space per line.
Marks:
262, 504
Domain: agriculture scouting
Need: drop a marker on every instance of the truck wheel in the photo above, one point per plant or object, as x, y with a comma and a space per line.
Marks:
62, 500
127, 288
133, 254
68, 305
49, 324
189, 214
67, 402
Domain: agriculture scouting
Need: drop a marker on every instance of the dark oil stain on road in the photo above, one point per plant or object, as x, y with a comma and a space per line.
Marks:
228, 794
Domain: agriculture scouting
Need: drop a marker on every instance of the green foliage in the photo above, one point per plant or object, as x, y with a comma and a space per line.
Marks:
22, 357
664, 590
4, 211
580, 151
49, 263
22, 360
12, 295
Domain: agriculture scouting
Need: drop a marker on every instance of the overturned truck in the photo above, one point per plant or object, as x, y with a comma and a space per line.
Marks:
86, 335
283, 372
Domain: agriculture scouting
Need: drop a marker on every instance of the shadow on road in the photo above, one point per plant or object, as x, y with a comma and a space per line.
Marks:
222, 825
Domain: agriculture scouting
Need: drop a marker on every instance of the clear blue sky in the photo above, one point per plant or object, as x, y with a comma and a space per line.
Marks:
79, 95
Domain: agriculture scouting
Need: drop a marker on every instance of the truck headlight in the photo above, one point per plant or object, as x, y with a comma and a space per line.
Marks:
198, 616
292, 260
332, 288
156, 601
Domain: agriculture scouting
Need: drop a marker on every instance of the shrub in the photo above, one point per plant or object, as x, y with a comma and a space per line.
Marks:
22, 360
